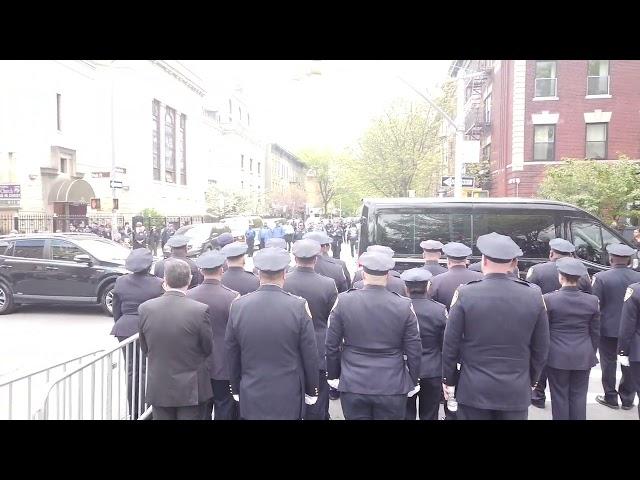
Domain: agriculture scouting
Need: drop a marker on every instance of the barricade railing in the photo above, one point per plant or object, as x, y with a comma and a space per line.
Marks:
110, 386
18, 391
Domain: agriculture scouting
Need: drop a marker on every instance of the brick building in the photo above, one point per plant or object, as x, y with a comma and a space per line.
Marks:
530, 114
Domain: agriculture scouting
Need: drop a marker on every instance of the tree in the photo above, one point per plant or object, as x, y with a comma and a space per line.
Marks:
602, 189
322, 166
223, 203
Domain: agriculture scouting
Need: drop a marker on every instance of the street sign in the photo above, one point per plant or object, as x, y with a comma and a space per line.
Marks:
115, 184
449, 181
120, 170
100, 174
10, 195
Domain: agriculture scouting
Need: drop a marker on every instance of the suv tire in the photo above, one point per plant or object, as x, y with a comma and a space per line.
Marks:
106, 299
6, 299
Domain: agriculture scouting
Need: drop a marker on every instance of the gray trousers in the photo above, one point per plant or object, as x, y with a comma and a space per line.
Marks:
190, 412
356, 406
465, 412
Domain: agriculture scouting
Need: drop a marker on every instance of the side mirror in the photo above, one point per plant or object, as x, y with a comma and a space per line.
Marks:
82, 259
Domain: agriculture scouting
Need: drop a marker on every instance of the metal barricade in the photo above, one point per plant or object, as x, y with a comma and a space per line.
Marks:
17, 392
111, 386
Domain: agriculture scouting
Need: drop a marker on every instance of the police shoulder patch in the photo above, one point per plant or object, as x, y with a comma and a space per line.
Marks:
628, 293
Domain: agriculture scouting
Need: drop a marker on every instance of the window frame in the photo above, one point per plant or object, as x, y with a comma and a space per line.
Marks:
156, 150
606, 140
182, 167
608, 92
536, 78
533, 158
59, 111
15, 244
172, 157
51, 246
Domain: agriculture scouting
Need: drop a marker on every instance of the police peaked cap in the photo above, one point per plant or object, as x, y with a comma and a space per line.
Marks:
376, 263
276, 243
139, 260
620, 250
500, 247
320, 237
416, 275
212, 259
561, 245
271, 259
456, 250
234, 249
571, 266
381, 249
178, 241
306, 248
431, 245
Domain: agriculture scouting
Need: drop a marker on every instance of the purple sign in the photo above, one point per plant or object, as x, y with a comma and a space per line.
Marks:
9, 192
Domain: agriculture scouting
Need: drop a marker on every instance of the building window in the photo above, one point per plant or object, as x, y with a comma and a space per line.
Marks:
155, 128
596, 140
487, 110
598, 77
182, 149
64, 165
58, 117
486, 153
251, 164
258, 168
170, 145
546, 81
544, 139
242, 184
241, 162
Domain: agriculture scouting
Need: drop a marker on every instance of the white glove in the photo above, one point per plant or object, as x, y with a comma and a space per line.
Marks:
414, 391
448, 391
334, 383
309, 400
236, 398
623, 360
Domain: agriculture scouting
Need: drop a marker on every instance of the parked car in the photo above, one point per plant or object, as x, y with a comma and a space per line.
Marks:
402, 223
238, 226
62, 268
201, 236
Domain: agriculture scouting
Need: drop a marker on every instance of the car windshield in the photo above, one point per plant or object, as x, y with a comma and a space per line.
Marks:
196, 231
104, 250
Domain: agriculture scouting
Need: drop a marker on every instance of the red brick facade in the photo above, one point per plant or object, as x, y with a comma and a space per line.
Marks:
570, 134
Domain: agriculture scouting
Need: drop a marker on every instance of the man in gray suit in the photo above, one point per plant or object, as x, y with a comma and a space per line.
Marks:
271, 346
176, 336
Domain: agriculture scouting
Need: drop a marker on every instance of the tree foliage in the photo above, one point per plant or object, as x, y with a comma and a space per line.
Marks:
323, 166
223, 202
603, 189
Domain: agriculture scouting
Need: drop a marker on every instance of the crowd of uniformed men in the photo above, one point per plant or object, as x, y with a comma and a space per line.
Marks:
226, 343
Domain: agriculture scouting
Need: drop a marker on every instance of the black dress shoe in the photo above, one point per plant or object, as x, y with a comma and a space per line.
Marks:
538, 403
627, 407
601, 400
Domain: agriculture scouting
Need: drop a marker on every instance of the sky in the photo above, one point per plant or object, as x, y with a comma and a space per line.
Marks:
331, 110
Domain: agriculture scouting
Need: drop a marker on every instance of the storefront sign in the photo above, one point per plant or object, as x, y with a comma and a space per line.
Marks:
9, 195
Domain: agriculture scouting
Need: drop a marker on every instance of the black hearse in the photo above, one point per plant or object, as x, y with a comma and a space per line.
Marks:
402, 223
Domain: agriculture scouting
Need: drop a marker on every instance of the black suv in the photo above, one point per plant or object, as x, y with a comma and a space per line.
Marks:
61, 268
202, 237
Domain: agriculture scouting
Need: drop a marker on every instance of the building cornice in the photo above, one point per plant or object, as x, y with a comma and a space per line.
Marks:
174, 72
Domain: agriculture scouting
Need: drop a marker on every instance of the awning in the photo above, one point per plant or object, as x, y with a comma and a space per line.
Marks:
70, 190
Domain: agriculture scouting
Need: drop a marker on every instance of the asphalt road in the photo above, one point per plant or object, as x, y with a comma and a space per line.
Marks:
37, 336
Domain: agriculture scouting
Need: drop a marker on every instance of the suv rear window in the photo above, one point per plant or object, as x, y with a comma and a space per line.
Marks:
531, 232
29, 248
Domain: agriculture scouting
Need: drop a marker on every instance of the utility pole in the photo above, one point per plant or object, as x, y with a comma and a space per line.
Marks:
114, 212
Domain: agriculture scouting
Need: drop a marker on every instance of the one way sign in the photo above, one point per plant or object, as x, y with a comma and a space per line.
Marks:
449, 181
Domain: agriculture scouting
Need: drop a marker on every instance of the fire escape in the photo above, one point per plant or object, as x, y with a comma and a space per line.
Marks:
475, 123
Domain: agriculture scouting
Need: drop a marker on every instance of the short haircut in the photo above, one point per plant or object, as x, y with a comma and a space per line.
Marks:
211, 271
271, 276
564, 254
375, 273
416, 287
177, 273
570, 278
498, 260
305, 261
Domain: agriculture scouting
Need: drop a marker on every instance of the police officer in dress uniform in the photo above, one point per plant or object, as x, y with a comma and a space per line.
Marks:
320, 293
357, 276
545, 275
178, 244
236, 277
432, 318
129, 292
218, 298
223, 239
477, 267
394, 282
442, 287
574, 329
431, 252
610, 287
376, 329
271, 346
273, 242
629, 335
327, 266
176, 335
498, 330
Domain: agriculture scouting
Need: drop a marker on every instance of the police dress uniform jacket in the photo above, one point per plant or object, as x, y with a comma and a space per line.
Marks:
498, 330
434, 267
432, 318
378, 328
176, 336
129, 292
574, 329
196, 277
629, 335
610, 287
545, 275
320, 293
238, 279
394, 284
272, 354
218, 298
477, 267
324, 266
342, 265
442, 287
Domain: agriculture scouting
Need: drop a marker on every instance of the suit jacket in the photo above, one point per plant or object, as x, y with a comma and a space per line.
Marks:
434, 267
175, 333
238, 279
498, 330
324, 266
432, 318
574, 329
218, 298
442, 287
320, 293
376, 329
272, 354
545, 275
345, 270
394, 284
129, 292
196, 277
629, 334
610, 287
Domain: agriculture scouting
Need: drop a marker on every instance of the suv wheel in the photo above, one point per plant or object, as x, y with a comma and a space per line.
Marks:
6, 299
106, 299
